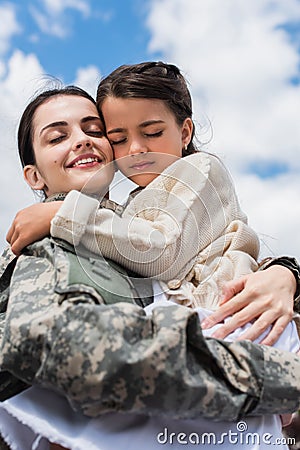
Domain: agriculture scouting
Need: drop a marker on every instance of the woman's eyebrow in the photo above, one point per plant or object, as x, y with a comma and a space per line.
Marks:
62, 123
54, 124
91, 118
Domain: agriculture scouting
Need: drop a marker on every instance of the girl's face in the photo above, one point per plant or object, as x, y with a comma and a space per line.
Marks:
70, 148
144, 135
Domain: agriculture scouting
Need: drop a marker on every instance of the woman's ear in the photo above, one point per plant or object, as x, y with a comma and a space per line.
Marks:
187, 131
34, 178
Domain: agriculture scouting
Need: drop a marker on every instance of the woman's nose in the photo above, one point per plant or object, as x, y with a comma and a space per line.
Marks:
82, 143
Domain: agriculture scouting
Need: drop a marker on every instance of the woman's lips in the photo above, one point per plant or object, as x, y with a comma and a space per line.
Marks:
83, 161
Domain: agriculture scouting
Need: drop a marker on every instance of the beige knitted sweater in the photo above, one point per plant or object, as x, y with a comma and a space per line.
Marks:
185, 228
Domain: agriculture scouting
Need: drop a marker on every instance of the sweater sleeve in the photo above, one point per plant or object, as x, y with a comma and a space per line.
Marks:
165, 228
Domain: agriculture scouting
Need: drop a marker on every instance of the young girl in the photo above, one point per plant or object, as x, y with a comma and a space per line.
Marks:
44, 332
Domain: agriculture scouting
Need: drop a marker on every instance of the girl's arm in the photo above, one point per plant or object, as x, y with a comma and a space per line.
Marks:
164, 229
266, 296
31, 224
162, 243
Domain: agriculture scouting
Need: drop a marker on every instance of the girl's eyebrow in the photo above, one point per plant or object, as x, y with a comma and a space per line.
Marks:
63, 123
150, 122
141, 125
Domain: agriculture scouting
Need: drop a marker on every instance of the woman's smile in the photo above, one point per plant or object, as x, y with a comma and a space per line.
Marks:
89, 160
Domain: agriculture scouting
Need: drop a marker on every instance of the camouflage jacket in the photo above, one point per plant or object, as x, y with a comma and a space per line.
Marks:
113, 357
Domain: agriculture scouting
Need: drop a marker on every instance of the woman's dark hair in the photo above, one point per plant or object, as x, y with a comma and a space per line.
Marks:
25, 130
152, 80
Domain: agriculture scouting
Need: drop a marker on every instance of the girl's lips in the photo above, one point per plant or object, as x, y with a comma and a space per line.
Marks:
141, 165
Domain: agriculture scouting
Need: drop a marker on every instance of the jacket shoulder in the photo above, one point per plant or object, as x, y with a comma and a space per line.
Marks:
5, 259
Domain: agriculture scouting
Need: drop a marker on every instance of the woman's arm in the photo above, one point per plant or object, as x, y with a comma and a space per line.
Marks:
268, 296
115, 358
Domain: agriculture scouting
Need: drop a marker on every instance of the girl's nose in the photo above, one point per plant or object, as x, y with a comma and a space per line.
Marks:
136, 147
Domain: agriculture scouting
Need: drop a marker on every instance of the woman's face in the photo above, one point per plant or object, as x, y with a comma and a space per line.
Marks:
70, 148
144, 135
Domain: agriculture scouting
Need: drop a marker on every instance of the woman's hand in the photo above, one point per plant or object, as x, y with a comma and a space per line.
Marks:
56, 447
265, 296
286, 419
31, 224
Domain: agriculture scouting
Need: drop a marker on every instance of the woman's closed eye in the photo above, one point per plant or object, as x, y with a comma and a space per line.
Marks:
61, 137
57, 139
93, 129
95, 133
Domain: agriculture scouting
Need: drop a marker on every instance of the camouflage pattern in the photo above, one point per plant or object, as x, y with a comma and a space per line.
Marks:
112, 357
5, 259
7, 264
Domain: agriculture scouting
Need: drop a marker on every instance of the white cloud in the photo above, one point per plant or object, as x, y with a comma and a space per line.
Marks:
49, 24
23, 77
88, 79
274, 210
2, 69
51, 16
23, 71
9, 26
57, 7
239, 61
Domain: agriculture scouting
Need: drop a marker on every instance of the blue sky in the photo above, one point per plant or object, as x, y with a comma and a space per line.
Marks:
106, 33
241, 59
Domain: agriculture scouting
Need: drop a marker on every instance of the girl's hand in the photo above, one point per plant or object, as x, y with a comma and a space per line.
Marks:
31, 224
265, 296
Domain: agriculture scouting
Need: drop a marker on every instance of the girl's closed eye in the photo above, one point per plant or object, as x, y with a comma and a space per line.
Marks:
117, 141
154, 135
124, 139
